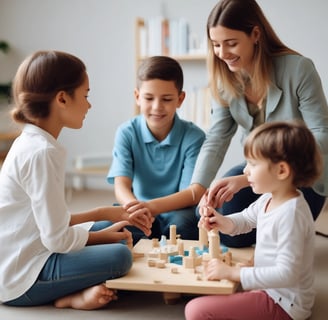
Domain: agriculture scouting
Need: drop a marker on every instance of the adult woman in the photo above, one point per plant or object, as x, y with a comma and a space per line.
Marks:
254, 78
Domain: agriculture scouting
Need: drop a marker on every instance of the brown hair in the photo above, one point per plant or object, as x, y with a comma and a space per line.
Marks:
242, 15
163, 68
291, 142
39, 78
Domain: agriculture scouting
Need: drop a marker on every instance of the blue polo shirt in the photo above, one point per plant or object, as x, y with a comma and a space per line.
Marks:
156, 168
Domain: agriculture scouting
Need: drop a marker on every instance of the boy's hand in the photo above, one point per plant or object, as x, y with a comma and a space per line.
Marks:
140, 216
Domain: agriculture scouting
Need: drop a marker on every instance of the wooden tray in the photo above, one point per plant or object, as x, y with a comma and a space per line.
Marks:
145, 278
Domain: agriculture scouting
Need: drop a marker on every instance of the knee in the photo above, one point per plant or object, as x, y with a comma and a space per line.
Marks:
123, 256
193, 310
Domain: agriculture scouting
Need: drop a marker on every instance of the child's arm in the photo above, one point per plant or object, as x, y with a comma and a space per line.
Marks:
182, 199
142, 219
123, 190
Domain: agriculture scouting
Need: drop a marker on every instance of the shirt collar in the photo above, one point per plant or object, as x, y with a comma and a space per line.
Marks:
172, 138
33, 129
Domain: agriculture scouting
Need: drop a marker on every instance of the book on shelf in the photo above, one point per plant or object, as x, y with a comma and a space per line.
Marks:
197, 107
163, 36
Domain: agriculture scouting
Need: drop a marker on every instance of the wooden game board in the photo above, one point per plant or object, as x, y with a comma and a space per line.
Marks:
145, 278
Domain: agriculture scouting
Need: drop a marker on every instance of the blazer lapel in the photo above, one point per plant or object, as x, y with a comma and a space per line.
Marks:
273, 98
239, 111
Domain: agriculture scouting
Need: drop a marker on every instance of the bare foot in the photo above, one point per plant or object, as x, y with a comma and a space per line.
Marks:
89, 299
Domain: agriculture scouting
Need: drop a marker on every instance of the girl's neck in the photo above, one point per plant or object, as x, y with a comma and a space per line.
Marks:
280, 197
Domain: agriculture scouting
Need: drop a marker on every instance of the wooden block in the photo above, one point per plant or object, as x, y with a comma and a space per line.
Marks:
160, 263
144, 278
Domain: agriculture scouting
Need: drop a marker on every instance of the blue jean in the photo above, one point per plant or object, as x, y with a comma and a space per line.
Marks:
64, 274
245, 197
184, 219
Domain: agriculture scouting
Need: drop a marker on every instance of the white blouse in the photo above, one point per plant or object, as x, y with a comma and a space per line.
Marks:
33, 212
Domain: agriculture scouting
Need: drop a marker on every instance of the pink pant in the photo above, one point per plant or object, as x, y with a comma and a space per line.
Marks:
248, 305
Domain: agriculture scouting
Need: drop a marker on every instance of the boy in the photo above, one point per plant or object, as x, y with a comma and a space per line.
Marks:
155, 152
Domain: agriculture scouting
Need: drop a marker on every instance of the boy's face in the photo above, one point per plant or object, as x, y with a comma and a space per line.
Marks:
158, 101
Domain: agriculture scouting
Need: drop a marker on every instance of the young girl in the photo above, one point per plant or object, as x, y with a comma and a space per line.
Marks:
254, 78
281, 157
47, 255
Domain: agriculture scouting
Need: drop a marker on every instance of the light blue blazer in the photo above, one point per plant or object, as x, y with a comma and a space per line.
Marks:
295, 93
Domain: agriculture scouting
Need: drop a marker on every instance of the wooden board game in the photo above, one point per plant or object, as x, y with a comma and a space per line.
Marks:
172, 277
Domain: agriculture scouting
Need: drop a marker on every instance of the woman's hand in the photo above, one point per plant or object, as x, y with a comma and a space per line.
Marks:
224, 189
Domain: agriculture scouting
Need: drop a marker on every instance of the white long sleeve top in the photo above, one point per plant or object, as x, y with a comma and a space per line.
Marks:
283, 260
33, 212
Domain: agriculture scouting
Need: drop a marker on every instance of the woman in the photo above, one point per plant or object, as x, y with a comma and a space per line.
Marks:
254, 78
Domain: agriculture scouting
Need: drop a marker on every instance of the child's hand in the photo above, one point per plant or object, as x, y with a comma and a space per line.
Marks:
209, 218
116, 233
218, 270
140, 216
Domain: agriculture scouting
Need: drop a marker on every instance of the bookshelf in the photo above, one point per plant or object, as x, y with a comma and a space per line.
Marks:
192, 57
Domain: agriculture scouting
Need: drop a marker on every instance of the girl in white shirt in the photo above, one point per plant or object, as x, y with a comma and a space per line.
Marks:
47, 254
281, 156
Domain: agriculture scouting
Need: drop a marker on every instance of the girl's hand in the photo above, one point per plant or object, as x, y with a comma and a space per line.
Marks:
112, 234
218, 270
208, 218
140, 216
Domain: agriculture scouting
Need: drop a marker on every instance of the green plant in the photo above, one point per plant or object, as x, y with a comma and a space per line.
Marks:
5, 88
4, 46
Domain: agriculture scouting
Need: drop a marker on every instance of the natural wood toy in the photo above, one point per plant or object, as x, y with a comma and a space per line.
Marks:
175, 266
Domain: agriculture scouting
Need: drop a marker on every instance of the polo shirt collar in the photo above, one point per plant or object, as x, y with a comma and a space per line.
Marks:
172, 138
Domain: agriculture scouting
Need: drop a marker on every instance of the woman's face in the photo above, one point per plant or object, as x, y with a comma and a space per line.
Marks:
234, 47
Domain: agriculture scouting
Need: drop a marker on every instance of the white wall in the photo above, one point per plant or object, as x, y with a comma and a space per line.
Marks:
101, 32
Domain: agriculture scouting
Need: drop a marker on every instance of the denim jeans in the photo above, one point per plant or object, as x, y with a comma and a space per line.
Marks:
245, 197
64, 274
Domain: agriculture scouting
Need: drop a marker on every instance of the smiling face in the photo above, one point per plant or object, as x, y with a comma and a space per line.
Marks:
158, 101
234, 47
